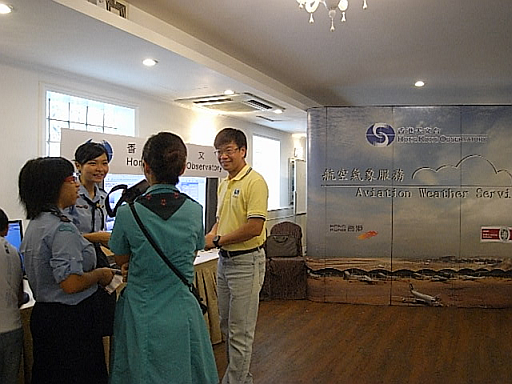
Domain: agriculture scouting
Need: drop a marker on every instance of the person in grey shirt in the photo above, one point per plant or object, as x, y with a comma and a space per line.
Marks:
11, 297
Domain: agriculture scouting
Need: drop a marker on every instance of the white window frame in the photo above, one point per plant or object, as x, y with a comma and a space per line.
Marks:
83, 95
266, 153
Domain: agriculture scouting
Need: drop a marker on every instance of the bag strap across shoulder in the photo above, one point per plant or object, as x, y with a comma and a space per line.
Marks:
158, 250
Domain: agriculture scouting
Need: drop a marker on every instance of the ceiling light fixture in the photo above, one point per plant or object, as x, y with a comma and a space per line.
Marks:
419, 84
5, 9
229, 92
311, 6
149, 62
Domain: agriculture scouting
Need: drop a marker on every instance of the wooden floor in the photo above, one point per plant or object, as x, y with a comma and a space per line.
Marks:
307, 342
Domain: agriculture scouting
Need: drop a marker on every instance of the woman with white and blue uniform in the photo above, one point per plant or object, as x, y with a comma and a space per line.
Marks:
61, 269
89, 213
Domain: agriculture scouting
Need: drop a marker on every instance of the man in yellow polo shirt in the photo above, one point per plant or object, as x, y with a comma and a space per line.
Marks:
240, 234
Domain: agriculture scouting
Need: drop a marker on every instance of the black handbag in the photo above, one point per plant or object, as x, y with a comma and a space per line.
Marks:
105, 302
101, 258
158, 250
104, 309
282, 246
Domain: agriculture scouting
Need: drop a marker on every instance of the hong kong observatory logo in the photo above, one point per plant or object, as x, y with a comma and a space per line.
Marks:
108, 148
380, 134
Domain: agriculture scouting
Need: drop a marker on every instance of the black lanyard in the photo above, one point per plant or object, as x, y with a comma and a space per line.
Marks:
94, 206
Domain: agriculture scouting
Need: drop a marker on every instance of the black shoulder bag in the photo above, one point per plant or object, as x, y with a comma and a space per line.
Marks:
129, 195
158, 250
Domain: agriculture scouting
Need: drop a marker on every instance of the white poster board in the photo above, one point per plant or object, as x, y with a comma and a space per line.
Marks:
300, 186
127, 153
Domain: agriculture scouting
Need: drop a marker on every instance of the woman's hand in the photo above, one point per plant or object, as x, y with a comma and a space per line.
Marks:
123, 261
98, 237
78, 283
105, 276
124, 271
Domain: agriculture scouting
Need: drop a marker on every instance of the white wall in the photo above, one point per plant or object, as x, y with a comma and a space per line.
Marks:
22, 122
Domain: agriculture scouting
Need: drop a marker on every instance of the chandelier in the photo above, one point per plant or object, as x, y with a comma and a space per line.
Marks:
311, 6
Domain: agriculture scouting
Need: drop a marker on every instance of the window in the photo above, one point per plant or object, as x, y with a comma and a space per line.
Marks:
266, 159
66, 111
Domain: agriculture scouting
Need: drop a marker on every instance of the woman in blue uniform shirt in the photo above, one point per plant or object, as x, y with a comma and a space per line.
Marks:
61, 269
160, 335
89, 214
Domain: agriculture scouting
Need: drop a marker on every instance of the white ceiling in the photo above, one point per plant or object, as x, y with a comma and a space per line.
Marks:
460, 48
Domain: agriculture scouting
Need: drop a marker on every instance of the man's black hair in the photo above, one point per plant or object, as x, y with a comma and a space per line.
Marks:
231, 135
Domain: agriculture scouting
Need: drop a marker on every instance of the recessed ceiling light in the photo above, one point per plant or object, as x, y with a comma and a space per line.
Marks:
278, 111
229, 92
419, 84
5, 9
149, 62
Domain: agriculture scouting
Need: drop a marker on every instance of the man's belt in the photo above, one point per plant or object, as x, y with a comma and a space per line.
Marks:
228, 254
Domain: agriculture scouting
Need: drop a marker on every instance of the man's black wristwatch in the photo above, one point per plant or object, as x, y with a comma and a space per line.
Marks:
215, 241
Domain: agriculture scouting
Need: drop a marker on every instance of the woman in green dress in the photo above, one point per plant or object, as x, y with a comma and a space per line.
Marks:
160, 335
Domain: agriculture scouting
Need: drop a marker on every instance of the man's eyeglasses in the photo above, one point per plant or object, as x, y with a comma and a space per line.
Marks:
226, 151
73, 178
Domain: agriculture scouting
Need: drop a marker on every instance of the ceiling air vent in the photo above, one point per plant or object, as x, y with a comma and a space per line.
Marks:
237, 103
268, 119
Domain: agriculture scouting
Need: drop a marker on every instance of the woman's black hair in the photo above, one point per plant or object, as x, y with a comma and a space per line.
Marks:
89, 151
39, 183
231, 135
166, 154
4, 220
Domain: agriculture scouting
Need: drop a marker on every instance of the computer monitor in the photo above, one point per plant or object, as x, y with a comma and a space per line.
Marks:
15, 233
194, 187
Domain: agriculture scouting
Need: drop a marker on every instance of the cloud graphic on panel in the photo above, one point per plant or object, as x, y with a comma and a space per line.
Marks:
476, 171
380, 134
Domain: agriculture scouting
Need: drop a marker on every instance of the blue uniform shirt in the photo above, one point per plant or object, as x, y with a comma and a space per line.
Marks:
82, 211
53, 250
